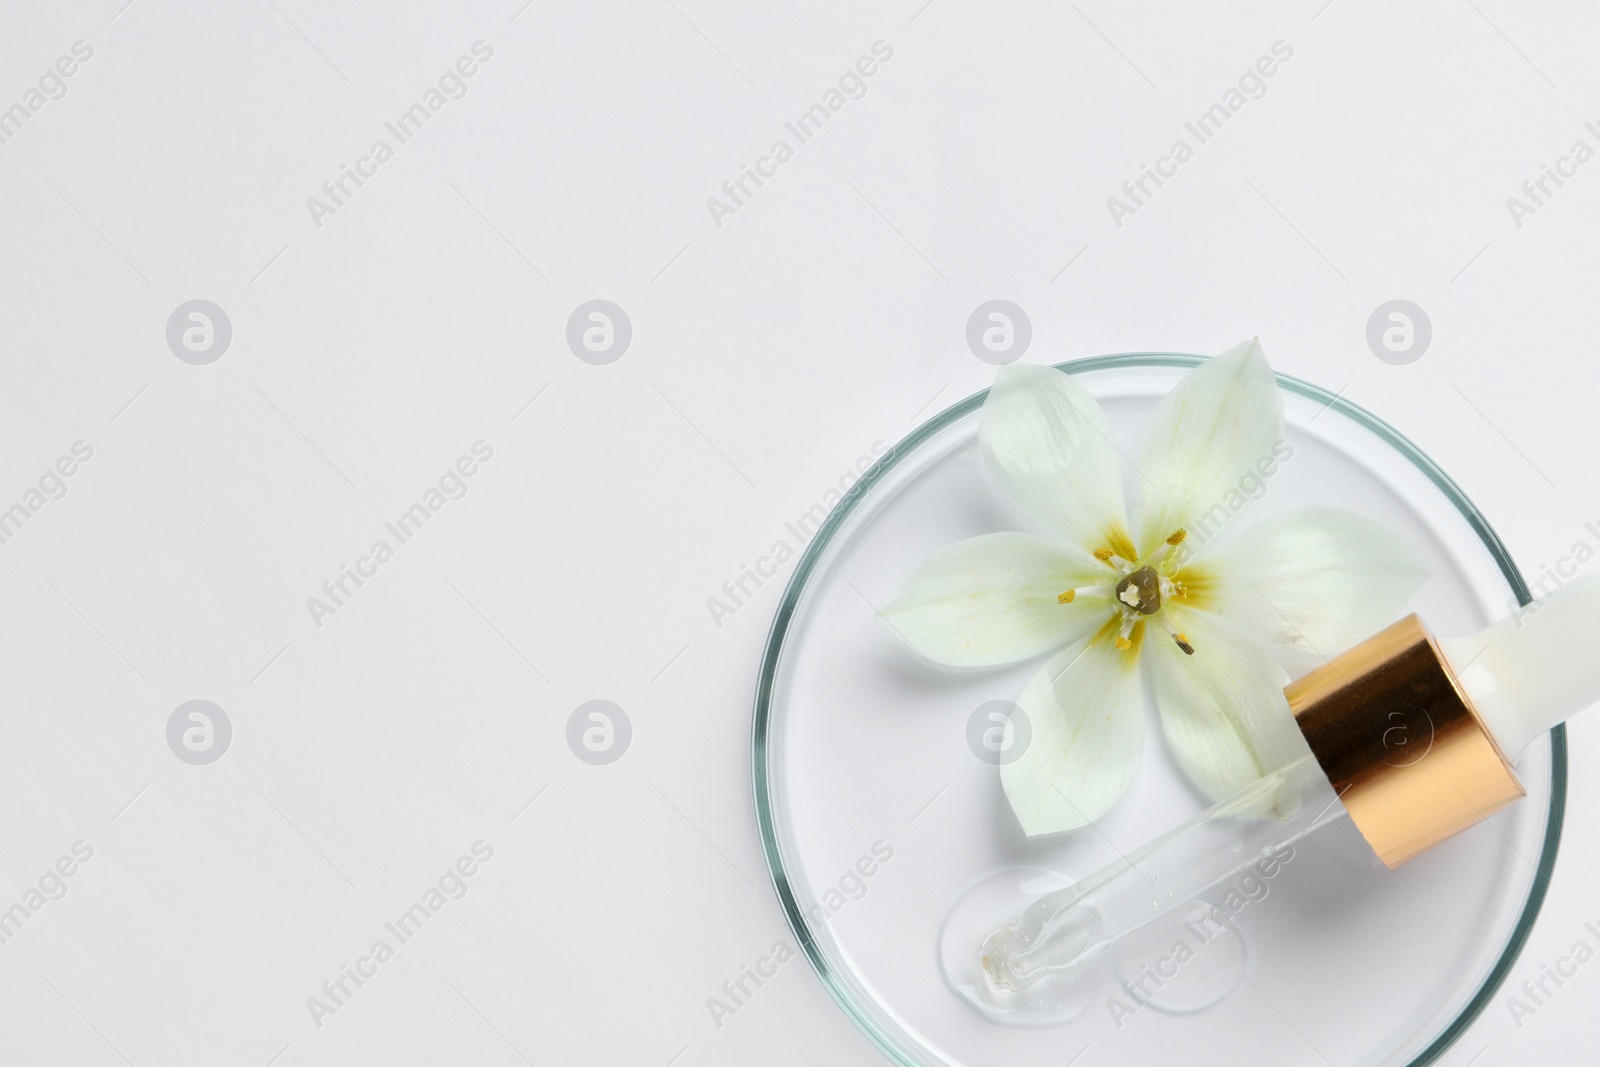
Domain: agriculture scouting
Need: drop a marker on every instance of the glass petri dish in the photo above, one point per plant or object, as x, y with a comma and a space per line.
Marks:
877, 815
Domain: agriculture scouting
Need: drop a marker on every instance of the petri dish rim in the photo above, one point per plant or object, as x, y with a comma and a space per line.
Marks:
771, 655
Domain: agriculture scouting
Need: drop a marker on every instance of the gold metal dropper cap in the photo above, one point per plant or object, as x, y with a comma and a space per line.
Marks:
1401, 743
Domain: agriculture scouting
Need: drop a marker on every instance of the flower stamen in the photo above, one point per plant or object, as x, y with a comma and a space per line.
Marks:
1180, 639
1124, 639
1092, 589
1110, 558
1168, 548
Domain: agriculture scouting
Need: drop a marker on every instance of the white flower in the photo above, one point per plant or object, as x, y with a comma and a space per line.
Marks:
1110, 593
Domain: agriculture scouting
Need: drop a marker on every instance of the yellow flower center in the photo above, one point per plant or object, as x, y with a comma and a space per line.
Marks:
1141, 589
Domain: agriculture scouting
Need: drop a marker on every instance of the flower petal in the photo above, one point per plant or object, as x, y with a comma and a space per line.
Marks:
1048, 444
1316, 579
1210, 431
1086, 713
992, 599
1222, 709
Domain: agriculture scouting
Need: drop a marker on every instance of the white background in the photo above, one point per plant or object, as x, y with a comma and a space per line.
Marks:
768, 354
